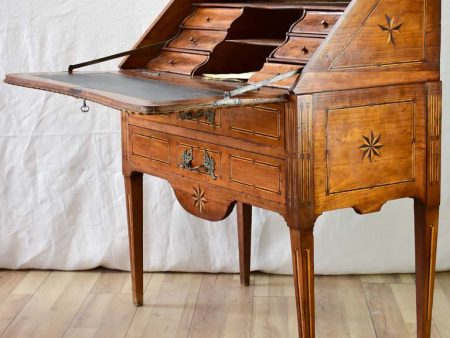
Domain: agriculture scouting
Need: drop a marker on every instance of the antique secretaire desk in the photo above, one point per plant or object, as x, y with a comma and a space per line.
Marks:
342, 109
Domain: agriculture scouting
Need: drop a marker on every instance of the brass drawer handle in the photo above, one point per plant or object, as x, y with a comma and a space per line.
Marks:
208, 165
325, 23
193, 40
209, 115
171, 62
208, 19
305, 50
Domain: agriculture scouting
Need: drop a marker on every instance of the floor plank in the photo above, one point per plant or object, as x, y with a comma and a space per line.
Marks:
385, 311
62, 313
210, 311
39, 305
98, 303
167, 317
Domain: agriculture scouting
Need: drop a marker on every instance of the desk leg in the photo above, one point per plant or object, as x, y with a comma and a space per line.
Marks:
302, 244
134, 196
244, 221
426, 228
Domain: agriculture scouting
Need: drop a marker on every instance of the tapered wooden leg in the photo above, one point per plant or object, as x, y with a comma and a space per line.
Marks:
244, 221
134, 196
302, 244
426, 229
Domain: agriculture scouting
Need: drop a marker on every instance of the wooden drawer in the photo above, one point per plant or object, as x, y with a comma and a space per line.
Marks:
258, 124
180, 63
298, 48
213, 18
260, 128
198, 39
316, 22
258, 175
273, 69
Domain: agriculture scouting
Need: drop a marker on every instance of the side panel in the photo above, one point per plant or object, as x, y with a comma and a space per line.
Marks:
375, 43
369, 147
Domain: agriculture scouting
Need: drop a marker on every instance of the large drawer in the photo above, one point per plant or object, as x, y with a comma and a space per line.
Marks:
254, 174
212, 18
180, 63
316, 22
256, 128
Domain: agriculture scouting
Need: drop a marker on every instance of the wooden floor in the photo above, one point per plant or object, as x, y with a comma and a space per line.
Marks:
98, 304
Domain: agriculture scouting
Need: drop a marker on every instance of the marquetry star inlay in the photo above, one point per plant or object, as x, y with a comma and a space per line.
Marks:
390, 29
371, 146
199, 199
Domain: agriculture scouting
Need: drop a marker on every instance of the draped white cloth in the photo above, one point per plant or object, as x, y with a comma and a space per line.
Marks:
62, 200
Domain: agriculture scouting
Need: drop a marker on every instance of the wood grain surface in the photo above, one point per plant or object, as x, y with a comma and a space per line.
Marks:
96, 303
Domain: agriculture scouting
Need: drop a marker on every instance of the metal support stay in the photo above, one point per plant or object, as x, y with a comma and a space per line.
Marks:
71, 68
228, 96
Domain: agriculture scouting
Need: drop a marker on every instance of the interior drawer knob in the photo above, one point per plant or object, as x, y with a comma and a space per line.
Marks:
325, 23
171, 62
193, 40
305, 50
208, 19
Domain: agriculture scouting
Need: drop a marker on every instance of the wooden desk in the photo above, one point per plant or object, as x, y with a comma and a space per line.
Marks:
359, 127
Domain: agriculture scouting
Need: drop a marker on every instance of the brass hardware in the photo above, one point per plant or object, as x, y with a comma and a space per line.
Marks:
193, 40
171, 62
325, 23
209, 116
208, 165
305, 50
371, 146
208, 19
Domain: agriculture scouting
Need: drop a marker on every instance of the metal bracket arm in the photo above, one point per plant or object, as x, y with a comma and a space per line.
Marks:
228, 96
116, 56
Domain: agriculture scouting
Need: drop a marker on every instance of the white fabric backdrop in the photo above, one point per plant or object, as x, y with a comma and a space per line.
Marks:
61, 191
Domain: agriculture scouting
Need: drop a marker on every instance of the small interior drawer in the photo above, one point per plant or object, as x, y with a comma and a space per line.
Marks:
180, 63
298, 48
316, 22
213, 18
273, 69
198, 39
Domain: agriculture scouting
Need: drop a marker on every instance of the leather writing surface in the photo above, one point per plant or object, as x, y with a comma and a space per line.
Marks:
146, 89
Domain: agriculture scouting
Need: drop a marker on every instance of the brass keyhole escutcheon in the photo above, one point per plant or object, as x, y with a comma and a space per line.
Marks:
324, 23
305, 50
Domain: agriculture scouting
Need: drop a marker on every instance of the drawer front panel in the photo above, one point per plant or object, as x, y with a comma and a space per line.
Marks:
258, 175
212, 18
198, 39
150, 148
316, 22
258, 125
253, 174
180, 63
298, 48
272, 69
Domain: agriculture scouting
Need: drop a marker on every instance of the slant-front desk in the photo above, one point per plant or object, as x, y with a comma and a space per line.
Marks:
339, 105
